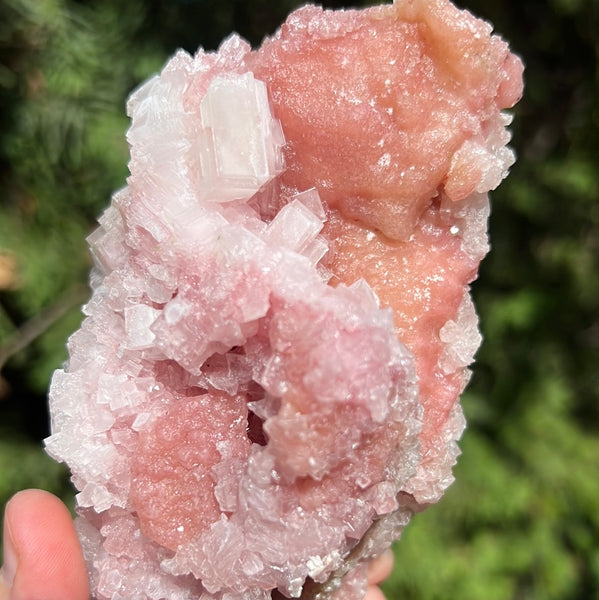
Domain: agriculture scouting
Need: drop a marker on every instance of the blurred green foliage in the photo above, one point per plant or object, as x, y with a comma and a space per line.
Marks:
522, 519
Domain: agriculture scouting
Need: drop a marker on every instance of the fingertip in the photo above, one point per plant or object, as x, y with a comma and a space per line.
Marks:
374, 593
381, 567
50, 564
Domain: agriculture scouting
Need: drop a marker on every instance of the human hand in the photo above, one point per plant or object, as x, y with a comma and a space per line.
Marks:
43, 559
42, 555
378, 570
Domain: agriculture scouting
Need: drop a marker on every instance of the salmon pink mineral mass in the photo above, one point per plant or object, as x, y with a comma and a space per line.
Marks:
265, 387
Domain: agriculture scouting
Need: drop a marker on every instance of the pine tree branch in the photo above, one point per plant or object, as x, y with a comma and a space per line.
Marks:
40, 323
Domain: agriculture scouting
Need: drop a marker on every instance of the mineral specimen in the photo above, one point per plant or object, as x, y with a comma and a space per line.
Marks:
264, 389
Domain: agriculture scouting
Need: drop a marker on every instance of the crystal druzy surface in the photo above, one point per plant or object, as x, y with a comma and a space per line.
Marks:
265, 386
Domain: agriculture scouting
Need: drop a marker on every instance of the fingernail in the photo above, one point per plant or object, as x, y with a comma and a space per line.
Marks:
9, 568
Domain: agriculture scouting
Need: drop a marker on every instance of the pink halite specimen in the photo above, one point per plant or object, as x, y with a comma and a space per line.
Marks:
265, 387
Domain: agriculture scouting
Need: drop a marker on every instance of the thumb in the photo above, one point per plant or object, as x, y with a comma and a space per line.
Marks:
42, 556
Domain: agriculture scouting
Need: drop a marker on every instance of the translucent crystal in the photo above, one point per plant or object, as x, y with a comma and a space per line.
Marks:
240, 141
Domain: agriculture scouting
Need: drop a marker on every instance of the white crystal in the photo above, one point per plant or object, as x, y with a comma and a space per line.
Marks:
138, 320
240, 148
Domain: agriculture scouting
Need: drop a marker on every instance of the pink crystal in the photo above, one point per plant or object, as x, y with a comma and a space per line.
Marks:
264, 389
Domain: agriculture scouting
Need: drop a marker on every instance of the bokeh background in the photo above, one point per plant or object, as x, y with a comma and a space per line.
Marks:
522, 519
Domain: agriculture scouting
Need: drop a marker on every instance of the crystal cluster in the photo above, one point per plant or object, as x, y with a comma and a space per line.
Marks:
264, 388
